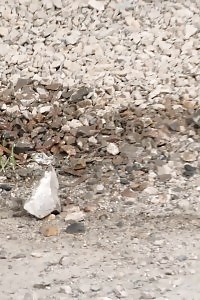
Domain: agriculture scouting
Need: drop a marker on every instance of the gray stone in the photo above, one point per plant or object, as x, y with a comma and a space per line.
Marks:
75, 228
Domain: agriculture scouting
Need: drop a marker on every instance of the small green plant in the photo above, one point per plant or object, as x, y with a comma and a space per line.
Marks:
6, 161
12, 158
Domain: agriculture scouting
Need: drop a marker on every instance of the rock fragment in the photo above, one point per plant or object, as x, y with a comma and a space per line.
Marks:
57, 3
190, 30
73, 38
147, 295
196, 117
74, 214
120, 292
189, 156
66, 289
98, 5
76, 227
44, 198
113, 149
48, 231
189, 170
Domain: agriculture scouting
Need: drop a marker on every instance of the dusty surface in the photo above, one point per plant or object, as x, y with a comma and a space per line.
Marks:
109, 91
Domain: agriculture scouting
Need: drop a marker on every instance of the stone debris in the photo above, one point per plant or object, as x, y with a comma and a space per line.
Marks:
189, 156
147, 295
66, 289
44, 198
49, 230
112, 149
73, 214
189, 170
76, 227
98, 5
3, 254
196, 117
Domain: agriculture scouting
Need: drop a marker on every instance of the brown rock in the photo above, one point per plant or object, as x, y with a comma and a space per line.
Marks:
50, 230
189, 156
69, 149
78, 164
138, 186
164, 177
128, 193
80, 93
53, 86
21, 82
90, 208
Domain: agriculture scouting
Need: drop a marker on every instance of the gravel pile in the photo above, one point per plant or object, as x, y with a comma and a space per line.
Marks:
132, 50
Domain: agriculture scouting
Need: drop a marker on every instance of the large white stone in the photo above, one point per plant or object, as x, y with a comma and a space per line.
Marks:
44, 198
98, 5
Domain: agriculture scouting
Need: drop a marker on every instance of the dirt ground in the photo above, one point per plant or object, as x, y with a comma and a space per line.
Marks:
122, 257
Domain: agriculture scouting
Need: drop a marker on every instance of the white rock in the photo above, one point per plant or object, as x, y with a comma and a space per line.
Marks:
92, 140
37, 254
44, 109
98, 5
48, 4
65, 128
42, 159
190, 30
3, 31
13, 109
76, 216
113, 149
74, 123
33, 7
42, 92
57, 3
44, 198
100, 188
164, 170
131, 21
184, 204
49, 30
120, 292
73, 38
66, 289
147, 295
150, 190
4, 48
